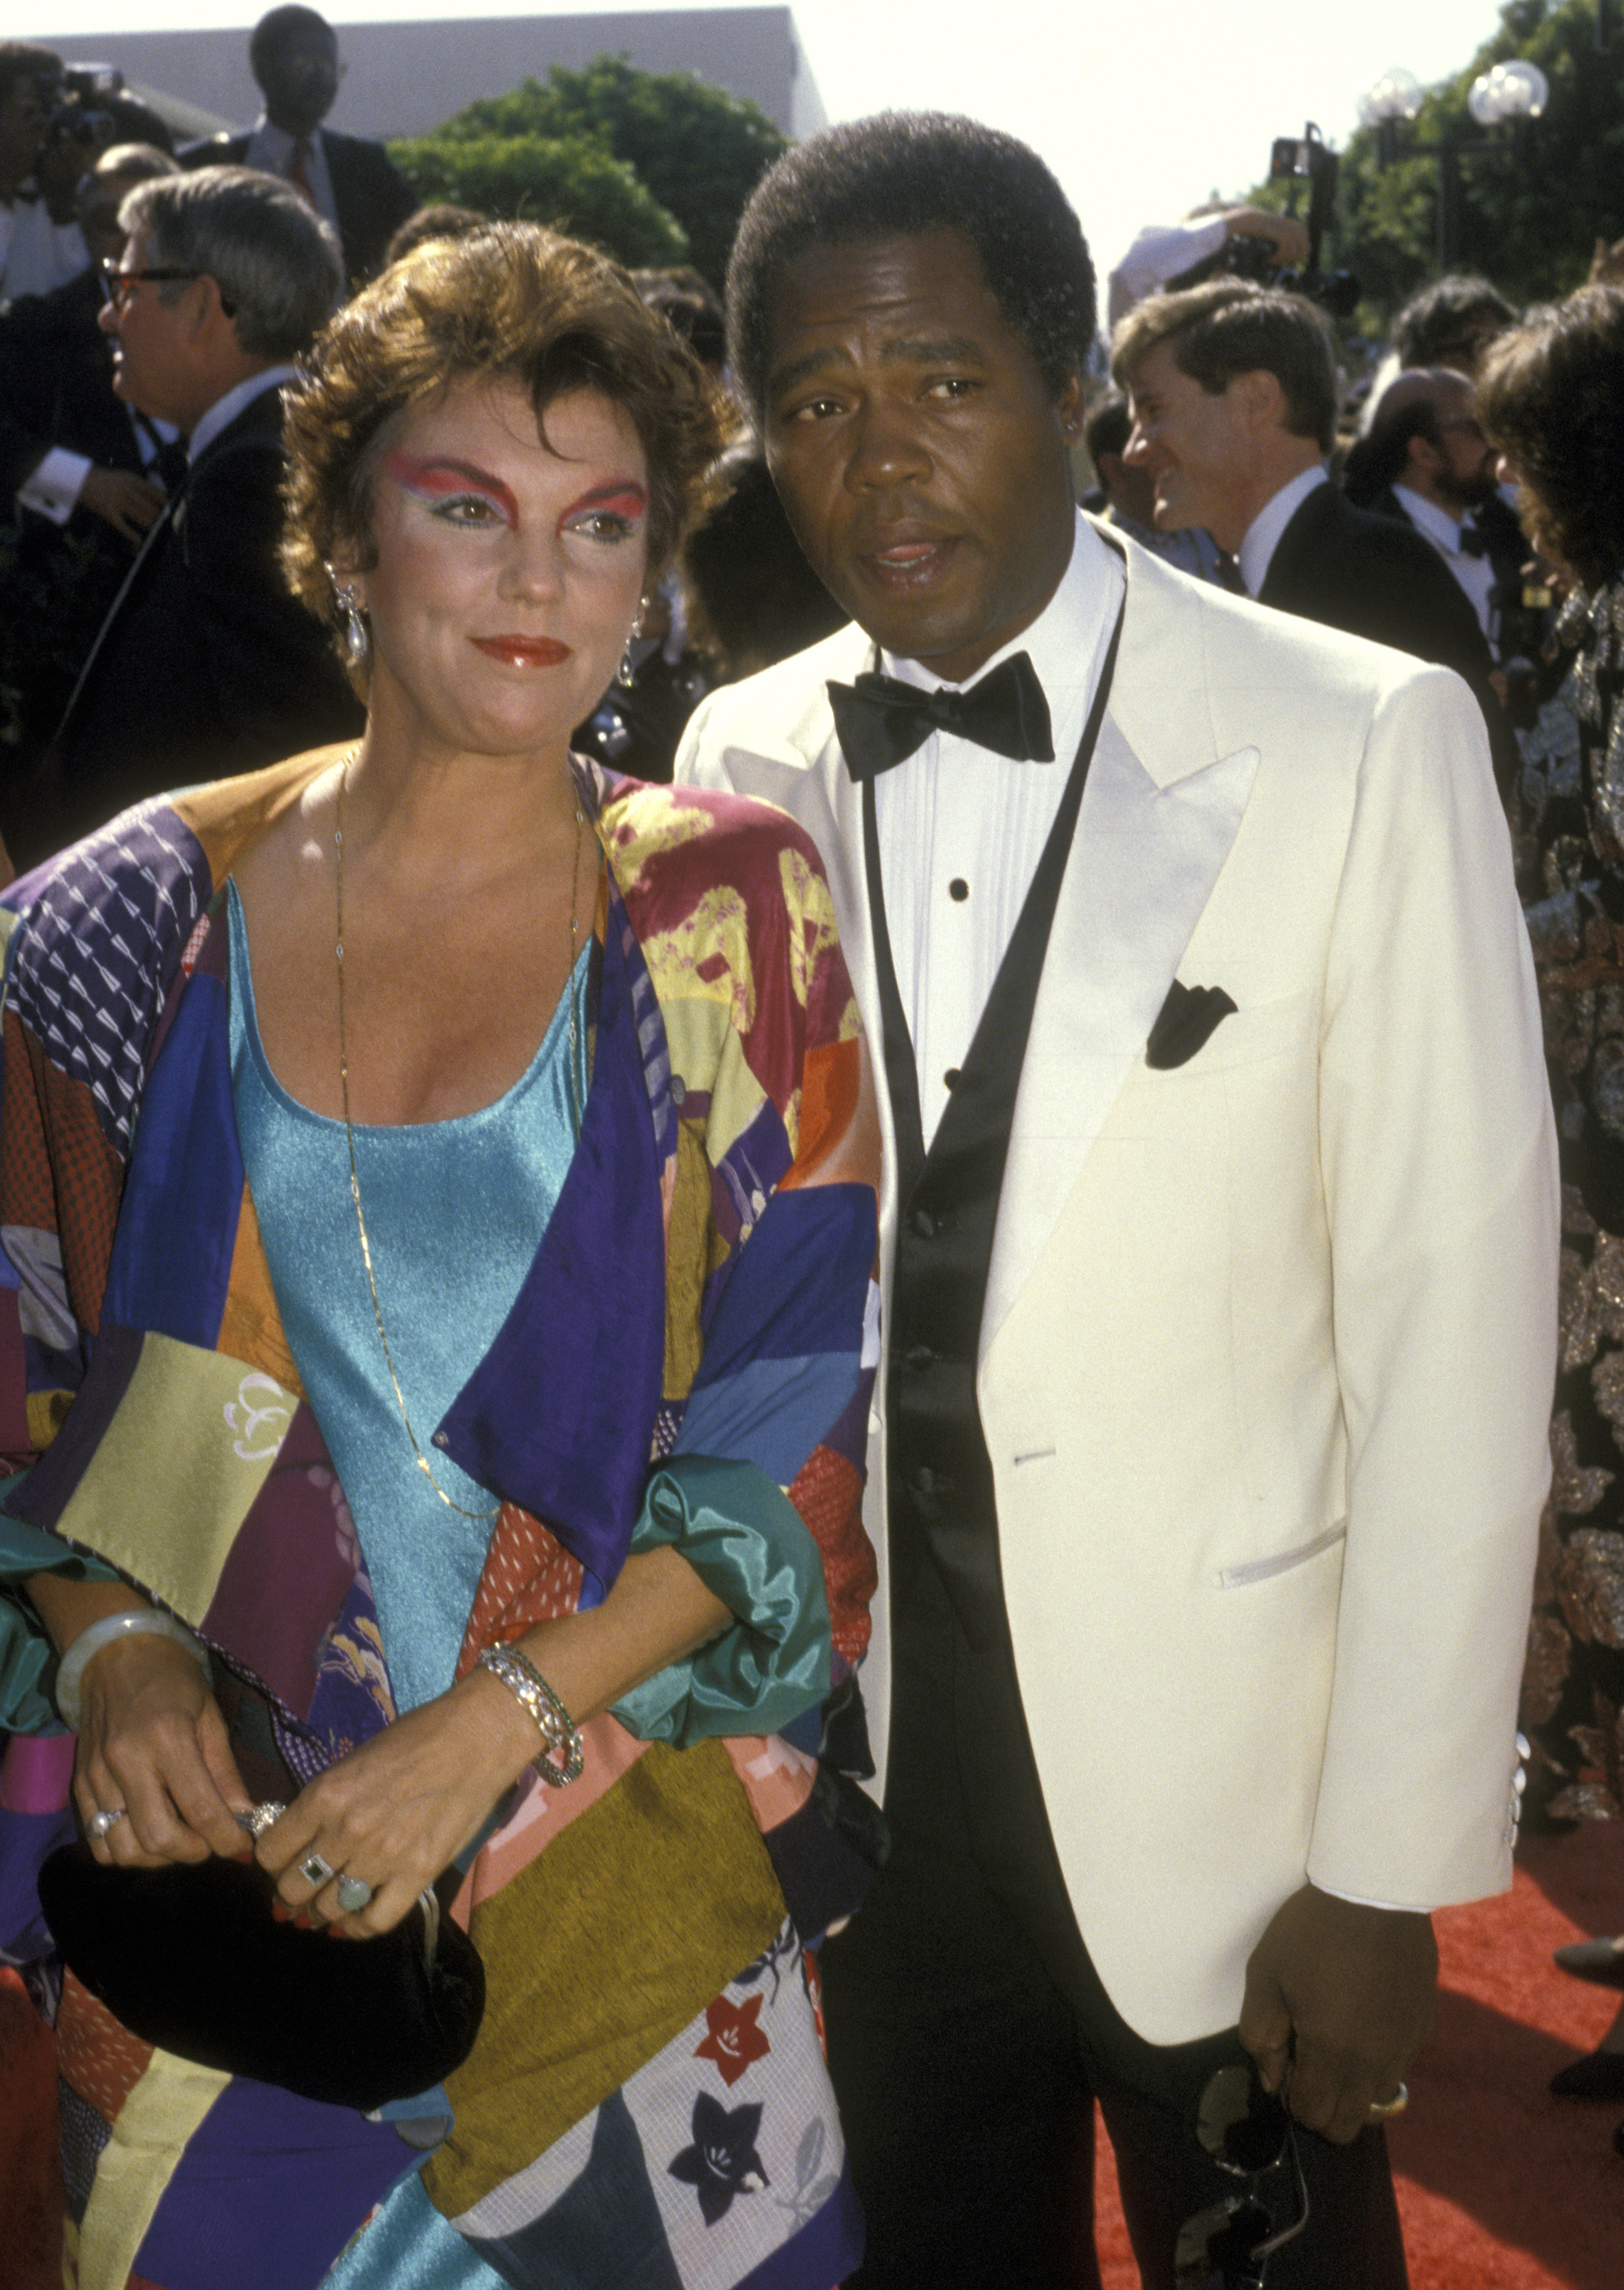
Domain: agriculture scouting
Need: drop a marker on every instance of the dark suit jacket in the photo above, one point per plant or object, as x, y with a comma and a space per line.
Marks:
374, 198
56, 385
56, 580
1378, 578
1507, 550
207, 665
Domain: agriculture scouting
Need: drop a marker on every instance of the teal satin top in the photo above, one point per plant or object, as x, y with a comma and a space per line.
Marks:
455, 1212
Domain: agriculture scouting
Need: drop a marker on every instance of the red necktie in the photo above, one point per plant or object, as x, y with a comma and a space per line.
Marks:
298, 171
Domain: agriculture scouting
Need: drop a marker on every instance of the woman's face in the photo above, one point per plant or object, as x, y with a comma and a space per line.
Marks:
507, 575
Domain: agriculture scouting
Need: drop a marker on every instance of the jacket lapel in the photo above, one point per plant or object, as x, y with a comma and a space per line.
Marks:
1160, 813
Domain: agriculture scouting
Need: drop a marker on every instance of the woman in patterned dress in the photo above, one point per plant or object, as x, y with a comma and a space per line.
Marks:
438, 1192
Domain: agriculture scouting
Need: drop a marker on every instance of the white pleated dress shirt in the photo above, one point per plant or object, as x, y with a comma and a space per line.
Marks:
961, 829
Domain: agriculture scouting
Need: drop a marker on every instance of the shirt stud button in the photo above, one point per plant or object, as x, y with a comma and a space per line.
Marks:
953, 1076
958, 888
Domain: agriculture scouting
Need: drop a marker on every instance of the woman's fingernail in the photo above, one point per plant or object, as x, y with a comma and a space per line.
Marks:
304, 1923
283, 1914
246, 1854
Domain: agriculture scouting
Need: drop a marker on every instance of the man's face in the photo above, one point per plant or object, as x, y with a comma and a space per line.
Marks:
23, 116
1194, 447
101, 196
301, 79
154, 368
920, 454
1464, 470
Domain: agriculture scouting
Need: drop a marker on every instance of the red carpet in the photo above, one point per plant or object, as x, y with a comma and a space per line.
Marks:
1501, 2186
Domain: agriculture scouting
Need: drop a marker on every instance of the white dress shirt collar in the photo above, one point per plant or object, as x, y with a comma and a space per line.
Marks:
1263, 534
1441, 529
271, 149
961, 831
225, 410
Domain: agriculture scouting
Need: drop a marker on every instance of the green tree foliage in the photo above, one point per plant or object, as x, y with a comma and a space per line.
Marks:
571, 186
1531, 210
699, 150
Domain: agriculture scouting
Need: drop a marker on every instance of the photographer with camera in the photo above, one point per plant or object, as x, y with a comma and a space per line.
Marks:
1163, 252
40, 244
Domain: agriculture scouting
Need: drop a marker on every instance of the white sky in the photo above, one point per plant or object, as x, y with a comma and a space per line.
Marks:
1141, 111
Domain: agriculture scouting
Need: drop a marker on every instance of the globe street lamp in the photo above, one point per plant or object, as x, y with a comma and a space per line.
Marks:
1510, 94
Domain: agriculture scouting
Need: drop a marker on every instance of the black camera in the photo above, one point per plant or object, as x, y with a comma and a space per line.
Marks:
1291, 159
77, 103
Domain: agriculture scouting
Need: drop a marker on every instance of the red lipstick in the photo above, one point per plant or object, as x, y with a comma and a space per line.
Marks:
523, 651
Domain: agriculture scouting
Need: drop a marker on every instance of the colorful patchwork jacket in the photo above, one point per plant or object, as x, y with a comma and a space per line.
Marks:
689, 1359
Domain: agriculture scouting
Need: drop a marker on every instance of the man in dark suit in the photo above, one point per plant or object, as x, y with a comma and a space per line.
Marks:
351, 183
1425, 460
83, 475
206, 664
1233, 389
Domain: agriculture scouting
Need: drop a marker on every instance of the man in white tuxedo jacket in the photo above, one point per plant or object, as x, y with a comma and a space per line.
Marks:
1219, 1242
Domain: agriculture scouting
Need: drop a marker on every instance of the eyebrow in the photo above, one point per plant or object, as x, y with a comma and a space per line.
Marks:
441, 475
909, 349
622, 493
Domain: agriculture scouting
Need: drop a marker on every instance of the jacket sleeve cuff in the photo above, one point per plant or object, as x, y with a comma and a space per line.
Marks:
28, 1659
749, 1545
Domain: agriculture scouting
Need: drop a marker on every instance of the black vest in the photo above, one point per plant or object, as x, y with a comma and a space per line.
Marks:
947, 1618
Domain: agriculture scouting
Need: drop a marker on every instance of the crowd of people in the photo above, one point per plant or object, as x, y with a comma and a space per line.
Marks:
778, 1221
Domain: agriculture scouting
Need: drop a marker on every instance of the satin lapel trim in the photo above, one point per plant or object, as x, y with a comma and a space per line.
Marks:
1142, 867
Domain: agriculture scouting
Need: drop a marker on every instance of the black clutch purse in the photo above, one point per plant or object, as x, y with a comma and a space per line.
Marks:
189, 1957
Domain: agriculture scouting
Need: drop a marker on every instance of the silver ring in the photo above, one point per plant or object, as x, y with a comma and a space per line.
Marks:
314, 1870
1382, 2108
355, 1893
100, 1823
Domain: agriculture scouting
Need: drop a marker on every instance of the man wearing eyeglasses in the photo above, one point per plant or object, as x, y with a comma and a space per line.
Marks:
1428, 463
351, 183
205, 665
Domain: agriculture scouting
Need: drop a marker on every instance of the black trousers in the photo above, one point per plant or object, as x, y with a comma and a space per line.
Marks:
969, 2037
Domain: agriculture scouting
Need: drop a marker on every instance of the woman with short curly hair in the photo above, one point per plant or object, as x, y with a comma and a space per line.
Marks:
443, 1209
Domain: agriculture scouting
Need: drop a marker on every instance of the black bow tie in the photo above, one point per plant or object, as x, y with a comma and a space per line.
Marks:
1473, 543
881, 720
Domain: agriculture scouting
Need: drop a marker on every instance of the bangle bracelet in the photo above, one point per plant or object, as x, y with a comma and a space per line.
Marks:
560, 1763
71, 1668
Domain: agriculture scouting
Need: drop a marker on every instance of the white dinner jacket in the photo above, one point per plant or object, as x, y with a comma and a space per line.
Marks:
1268, 1344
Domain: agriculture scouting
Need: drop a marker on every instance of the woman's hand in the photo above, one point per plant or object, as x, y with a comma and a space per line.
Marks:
399, 1810
152, 1741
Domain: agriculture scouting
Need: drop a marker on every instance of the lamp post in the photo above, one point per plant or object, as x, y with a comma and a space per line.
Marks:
1508, 95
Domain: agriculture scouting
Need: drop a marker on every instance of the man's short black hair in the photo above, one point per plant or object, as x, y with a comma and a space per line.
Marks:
1109, 427
23, 60
269, 35
901, 174
1442, 316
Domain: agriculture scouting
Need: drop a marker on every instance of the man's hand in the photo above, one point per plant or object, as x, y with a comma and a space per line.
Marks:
1345, 1992
1287, 236
128, 503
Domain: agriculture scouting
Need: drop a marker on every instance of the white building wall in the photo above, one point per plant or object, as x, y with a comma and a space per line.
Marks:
404, 79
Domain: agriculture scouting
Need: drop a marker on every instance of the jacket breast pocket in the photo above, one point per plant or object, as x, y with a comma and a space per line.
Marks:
1249, 1036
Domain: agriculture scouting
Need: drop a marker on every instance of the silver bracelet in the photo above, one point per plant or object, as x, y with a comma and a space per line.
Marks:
88, 1644
566, 1754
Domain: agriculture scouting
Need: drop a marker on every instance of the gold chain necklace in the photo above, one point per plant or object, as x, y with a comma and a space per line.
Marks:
423, 1463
